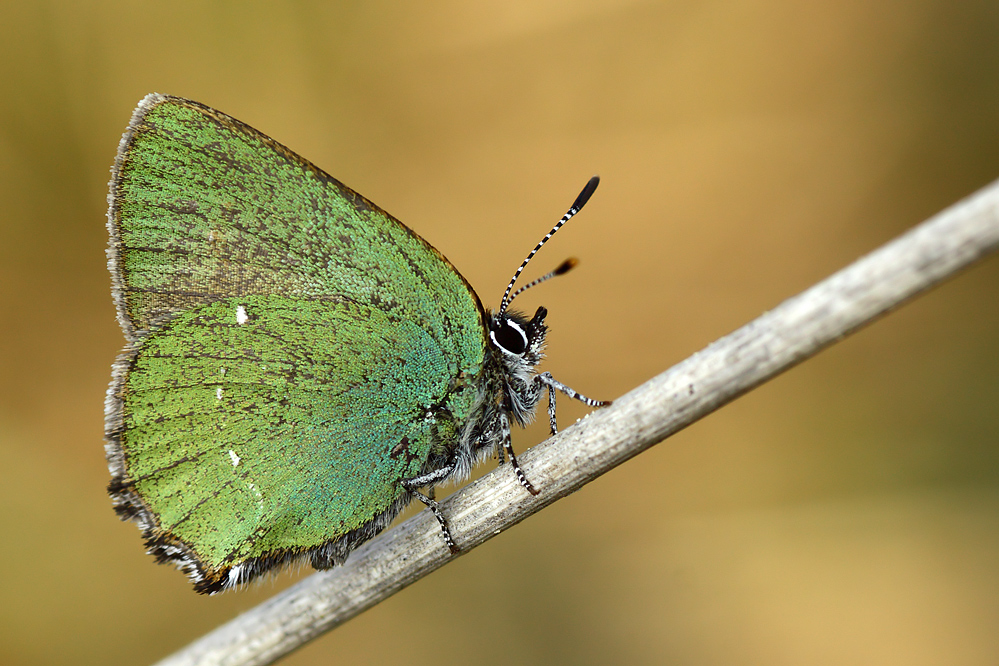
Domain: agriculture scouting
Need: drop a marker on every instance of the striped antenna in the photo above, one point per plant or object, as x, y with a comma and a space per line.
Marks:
562, 268
577, 205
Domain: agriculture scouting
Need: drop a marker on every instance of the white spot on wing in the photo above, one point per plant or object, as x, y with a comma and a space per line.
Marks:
234, 458
241, 316
218, 393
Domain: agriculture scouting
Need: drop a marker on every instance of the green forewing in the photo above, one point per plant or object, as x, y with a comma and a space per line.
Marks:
206, 207
295, 350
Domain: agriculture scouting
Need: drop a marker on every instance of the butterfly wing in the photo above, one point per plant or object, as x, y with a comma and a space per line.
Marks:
293, 350
204, 207
260, 428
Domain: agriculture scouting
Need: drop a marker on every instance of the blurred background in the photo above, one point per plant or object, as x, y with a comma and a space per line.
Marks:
846, 512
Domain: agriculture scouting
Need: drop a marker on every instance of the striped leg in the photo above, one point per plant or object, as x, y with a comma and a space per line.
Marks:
411, 486
546, 379
551, 409
499, 451
508, 447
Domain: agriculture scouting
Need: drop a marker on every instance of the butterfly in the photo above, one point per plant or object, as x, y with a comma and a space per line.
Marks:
299, 364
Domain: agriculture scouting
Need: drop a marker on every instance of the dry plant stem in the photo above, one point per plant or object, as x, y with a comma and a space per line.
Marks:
774, 342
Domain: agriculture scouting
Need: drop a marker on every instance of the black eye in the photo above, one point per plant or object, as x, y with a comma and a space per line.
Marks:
509, 336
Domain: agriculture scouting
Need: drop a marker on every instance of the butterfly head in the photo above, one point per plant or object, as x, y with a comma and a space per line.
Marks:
520, 341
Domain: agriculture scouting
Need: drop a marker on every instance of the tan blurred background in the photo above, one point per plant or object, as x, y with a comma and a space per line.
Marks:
847, 512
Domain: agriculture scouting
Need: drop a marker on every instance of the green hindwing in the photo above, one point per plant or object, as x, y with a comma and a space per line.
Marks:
294, 352
264, 427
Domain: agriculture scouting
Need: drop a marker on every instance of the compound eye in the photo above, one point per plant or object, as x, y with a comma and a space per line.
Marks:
510, 337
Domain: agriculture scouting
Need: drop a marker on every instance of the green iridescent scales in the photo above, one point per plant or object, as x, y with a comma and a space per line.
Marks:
294, 351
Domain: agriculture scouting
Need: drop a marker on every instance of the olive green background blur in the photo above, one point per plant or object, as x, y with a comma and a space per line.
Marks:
846, 512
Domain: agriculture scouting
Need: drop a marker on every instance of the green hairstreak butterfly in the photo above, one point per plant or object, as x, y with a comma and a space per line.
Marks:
299, 364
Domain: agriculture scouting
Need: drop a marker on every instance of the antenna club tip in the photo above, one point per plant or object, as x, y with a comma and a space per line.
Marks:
587, 192
566, 266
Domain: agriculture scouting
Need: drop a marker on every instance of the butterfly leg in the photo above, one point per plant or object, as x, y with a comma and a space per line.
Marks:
551, 409
552, 384
545, 379
412, 486
504, 424
500, 456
